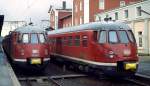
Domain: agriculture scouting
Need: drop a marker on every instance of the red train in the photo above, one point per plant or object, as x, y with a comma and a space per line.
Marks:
109, 47
27, 47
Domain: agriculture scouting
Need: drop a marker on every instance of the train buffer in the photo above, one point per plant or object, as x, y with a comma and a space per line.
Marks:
7, 76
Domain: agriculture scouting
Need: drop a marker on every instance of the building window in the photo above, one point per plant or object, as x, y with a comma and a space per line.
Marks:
122, 3
76, 21
70, 25
126, 13
116, 15
76, 8
138, 9
81, 18
107, 15
80, 5
140, 39
101, 4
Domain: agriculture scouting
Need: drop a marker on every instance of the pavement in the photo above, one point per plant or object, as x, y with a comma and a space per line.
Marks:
7, 76
144, 66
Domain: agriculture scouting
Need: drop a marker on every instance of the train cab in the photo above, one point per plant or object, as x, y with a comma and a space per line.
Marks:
27, 46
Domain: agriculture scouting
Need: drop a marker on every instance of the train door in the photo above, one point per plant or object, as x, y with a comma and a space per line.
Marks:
58, 45
84, 43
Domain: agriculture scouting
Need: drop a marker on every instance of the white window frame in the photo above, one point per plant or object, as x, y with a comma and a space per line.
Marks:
81, 6
140, 42
102, 4
116, 16
122, 3
126, 15
137, 11
81, 19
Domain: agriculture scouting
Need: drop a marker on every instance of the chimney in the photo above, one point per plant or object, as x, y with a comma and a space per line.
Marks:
64, 4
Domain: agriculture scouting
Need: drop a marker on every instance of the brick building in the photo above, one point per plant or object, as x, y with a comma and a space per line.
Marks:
60, 17
84, 10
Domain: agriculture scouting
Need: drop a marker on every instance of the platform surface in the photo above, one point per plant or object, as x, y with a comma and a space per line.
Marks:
7, 76
144, 66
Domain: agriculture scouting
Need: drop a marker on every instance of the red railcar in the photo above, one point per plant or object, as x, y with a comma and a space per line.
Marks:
106, 46
27, 47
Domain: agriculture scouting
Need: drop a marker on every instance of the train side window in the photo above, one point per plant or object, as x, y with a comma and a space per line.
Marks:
41, 38
84, 41
102, 37
123, 37
19, 38
70, 40
34, 39
77, 41
25, 38
113, 37
64, 41
95, 35
131, 36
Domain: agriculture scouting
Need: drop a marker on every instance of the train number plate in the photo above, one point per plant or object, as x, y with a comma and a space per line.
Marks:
36, 61
130, 66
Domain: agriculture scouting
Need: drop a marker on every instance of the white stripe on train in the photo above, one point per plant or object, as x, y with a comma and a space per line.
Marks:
87, 61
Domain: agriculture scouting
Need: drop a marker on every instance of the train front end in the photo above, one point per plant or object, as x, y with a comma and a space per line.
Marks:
117, 50
31, 51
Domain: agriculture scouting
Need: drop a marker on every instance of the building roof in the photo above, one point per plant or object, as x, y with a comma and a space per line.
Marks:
66, 15
93, 26
29, 29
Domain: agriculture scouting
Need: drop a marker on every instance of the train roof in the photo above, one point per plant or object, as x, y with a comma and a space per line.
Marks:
29, 29
92, 26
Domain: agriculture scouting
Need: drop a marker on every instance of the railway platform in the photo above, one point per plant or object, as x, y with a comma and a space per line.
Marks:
144, 66
7, 76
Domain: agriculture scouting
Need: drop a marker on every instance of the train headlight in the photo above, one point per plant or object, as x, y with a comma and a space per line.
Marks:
111, 54
127, 52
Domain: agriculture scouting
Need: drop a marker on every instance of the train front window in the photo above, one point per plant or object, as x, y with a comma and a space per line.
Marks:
131, 36
102, 37
42, 38
25, 38
34, 39
113, 37
123, 37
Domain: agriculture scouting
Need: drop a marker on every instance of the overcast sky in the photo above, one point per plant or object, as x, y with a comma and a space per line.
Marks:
37, 10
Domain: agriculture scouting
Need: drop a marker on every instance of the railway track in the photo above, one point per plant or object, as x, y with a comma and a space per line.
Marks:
139, 80
55, 76
56, 80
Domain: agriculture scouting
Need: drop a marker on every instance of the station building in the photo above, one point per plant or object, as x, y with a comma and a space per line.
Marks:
137, 16
84, 10
61, 17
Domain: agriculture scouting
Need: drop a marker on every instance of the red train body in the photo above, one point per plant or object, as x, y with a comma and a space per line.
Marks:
27, 47
106, 46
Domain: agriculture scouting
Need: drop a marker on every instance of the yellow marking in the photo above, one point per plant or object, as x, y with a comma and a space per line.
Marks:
36, 61
130, 66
